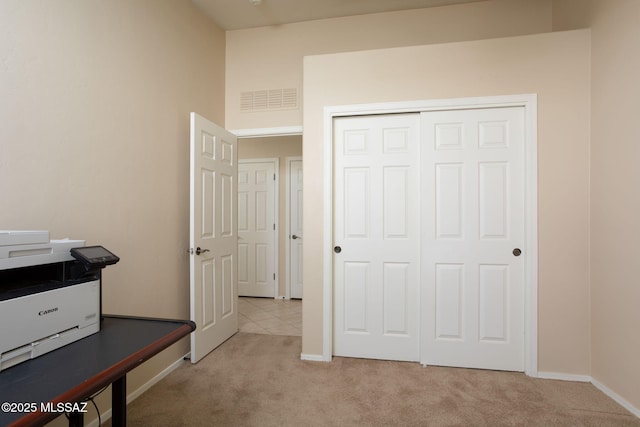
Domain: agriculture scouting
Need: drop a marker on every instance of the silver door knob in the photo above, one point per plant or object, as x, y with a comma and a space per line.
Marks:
294, 237
201, 251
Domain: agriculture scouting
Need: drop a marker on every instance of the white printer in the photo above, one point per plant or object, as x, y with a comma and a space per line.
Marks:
50, 293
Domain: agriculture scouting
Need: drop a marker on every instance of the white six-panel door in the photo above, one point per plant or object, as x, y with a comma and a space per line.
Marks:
294, 204
213, 236
256, 228
377, 237
472, 222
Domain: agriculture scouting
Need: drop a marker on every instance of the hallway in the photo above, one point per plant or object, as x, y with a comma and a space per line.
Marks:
270, 316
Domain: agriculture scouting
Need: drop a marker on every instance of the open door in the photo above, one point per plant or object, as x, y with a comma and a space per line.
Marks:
294, 206
213, 236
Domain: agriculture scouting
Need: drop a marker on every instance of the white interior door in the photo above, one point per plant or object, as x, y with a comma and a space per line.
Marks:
294, 205
377, 237
473, 226
256, 228
213, 236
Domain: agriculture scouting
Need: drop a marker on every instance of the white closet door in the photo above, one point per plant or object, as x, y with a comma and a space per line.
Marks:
377, 237
473, 227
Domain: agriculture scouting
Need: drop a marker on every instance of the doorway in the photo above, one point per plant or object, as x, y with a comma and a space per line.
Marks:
281, 148
276, 314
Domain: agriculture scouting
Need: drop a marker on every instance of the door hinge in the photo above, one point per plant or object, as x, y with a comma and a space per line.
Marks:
274, 176
274, 227
274, 276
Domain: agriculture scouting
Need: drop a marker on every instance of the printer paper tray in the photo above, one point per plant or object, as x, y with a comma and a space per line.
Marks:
45, 345
35, 324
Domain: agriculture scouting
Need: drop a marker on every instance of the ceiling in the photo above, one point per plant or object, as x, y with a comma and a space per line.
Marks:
241, 14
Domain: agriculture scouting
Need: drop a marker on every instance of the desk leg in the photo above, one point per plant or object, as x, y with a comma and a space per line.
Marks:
119, 402
76, 419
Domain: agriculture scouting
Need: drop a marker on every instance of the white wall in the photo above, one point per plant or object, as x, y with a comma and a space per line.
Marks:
614, 204
271, 57
556, 67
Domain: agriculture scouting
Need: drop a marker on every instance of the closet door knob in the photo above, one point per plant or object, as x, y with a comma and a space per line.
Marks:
337, 249
517, 252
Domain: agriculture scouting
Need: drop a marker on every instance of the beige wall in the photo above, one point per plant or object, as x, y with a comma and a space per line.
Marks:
279, 147
615, 205
97, 95
554, 66
94, 137
271, 57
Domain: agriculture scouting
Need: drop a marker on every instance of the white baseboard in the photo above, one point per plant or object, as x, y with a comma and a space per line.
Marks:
144, 387
564, 377
153, 381
615, 396
588, 379
312, 357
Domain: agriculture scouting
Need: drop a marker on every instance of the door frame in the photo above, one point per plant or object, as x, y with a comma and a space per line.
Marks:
529, 102
288, 161
276, 213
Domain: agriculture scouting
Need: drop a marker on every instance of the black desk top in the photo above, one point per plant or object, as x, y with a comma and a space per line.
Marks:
82, 368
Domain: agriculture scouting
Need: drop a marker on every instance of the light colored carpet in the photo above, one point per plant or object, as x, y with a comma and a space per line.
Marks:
259, 380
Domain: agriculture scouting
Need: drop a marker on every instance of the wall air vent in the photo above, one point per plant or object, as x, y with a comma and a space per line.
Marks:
269, 99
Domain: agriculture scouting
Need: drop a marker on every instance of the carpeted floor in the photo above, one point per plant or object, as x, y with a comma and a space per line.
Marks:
259, 380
